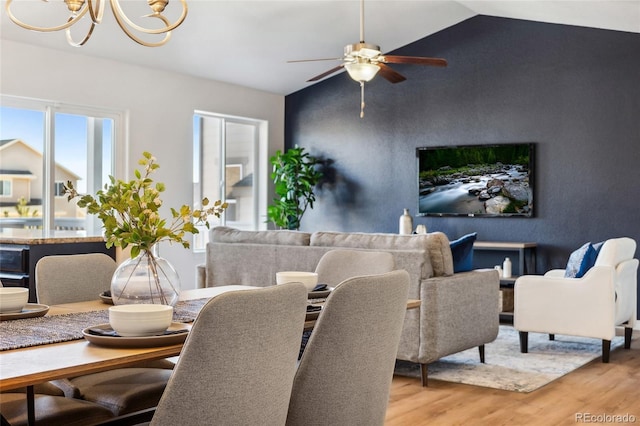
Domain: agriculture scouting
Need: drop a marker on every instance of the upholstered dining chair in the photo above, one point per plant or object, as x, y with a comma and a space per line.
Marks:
344, 376
82, 277
593, 305
51, 410
337, 265
238, 363
73, 278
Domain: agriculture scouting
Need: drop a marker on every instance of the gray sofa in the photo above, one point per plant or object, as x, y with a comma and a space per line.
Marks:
458, 311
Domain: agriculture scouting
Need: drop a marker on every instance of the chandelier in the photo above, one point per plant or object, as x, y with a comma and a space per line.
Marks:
95, 9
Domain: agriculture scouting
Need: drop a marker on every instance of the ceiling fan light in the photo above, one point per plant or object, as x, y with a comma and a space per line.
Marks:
362, 71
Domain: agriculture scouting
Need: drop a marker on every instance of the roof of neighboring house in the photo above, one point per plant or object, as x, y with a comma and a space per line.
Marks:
15, 172
4, 143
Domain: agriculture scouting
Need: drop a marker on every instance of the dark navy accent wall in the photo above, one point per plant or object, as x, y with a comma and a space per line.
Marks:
573, 91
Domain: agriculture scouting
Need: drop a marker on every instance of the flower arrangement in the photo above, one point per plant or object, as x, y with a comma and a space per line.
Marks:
129, 211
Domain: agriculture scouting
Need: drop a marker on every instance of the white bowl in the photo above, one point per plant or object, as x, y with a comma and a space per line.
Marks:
309, 279
140, 319
13, 299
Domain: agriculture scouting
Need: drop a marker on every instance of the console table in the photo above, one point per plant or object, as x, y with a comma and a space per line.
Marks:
526, 264
525, 252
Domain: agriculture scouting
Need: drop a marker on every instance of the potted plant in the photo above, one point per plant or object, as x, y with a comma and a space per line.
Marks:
129, 212
295, 177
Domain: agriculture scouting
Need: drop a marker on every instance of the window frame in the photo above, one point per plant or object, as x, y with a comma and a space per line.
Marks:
119, 150
260, 189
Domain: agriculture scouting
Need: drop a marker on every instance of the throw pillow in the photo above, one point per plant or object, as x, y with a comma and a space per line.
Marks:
581, 260
462, 252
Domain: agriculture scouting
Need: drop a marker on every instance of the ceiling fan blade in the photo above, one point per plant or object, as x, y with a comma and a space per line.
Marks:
389, 74
315, 60
326, 73
392, 59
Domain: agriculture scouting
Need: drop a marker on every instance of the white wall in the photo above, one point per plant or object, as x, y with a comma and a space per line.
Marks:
160, 107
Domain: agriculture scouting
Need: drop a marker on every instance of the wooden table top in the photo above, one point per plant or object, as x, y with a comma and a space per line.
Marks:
37, 364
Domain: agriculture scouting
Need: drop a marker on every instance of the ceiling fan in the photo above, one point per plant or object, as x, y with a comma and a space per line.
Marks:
364, 60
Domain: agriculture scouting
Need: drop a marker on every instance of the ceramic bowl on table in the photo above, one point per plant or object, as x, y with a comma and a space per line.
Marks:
13, 299
137, 320
309, 279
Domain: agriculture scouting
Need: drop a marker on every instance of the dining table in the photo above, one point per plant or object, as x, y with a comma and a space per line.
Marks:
28, 366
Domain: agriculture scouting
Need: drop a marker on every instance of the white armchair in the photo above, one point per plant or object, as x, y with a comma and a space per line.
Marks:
591, 306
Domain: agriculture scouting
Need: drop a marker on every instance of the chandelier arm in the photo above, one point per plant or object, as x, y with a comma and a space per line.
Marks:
138, 40
72, 20
117, 10
86, 38
97, 12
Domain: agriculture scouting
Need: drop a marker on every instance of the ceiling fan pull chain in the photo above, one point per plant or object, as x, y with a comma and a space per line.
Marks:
362, 99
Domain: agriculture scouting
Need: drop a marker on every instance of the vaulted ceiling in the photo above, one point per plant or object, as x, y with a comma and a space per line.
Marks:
249, 42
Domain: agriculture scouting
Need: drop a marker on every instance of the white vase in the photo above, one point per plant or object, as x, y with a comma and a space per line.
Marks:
147, 278
406, 223
506, 268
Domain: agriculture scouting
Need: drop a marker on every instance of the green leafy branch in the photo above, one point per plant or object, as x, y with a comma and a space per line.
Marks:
129, 211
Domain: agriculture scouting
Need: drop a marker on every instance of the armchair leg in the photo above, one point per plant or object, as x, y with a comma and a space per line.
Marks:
606, 350
552, 337
628, 331
481, 351
423, 374
524, 342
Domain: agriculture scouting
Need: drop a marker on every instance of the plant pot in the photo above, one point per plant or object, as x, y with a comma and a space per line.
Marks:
147, 278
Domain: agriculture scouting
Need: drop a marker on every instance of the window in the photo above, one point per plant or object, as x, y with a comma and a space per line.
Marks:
5, 188
230, 154
58, 189
42, 146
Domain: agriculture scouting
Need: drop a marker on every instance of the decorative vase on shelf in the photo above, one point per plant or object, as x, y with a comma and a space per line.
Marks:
146, 278
406, 223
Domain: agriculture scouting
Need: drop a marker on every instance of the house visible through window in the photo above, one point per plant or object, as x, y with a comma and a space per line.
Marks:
230, 155
42, 146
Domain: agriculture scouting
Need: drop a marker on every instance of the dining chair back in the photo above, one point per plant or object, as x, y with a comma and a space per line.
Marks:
238, 363
337, 265
73, 278
344, 376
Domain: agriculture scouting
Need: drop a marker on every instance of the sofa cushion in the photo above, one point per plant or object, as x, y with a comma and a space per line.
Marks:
223, 234
462, 252
435, 244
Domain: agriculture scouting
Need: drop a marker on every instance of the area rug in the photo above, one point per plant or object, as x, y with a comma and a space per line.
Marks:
508, 369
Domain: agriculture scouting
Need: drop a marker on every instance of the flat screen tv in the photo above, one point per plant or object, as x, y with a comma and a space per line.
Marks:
476, 180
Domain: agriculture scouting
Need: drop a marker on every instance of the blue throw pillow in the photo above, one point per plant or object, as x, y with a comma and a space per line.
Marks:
462, 251
582, 260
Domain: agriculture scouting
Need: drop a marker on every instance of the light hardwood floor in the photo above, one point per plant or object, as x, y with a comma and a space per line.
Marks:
595, 389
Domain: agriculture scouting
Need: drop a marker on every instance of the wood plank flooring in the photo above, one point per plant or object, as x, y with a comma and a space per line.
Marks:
595, 389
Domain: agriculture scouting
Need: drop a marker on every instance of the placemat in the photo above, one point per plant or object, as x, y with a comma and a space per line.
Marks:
22, 333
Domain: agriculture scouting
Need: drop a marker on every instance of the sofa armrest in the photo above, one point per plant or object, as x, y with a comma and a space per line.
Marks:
458, 312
